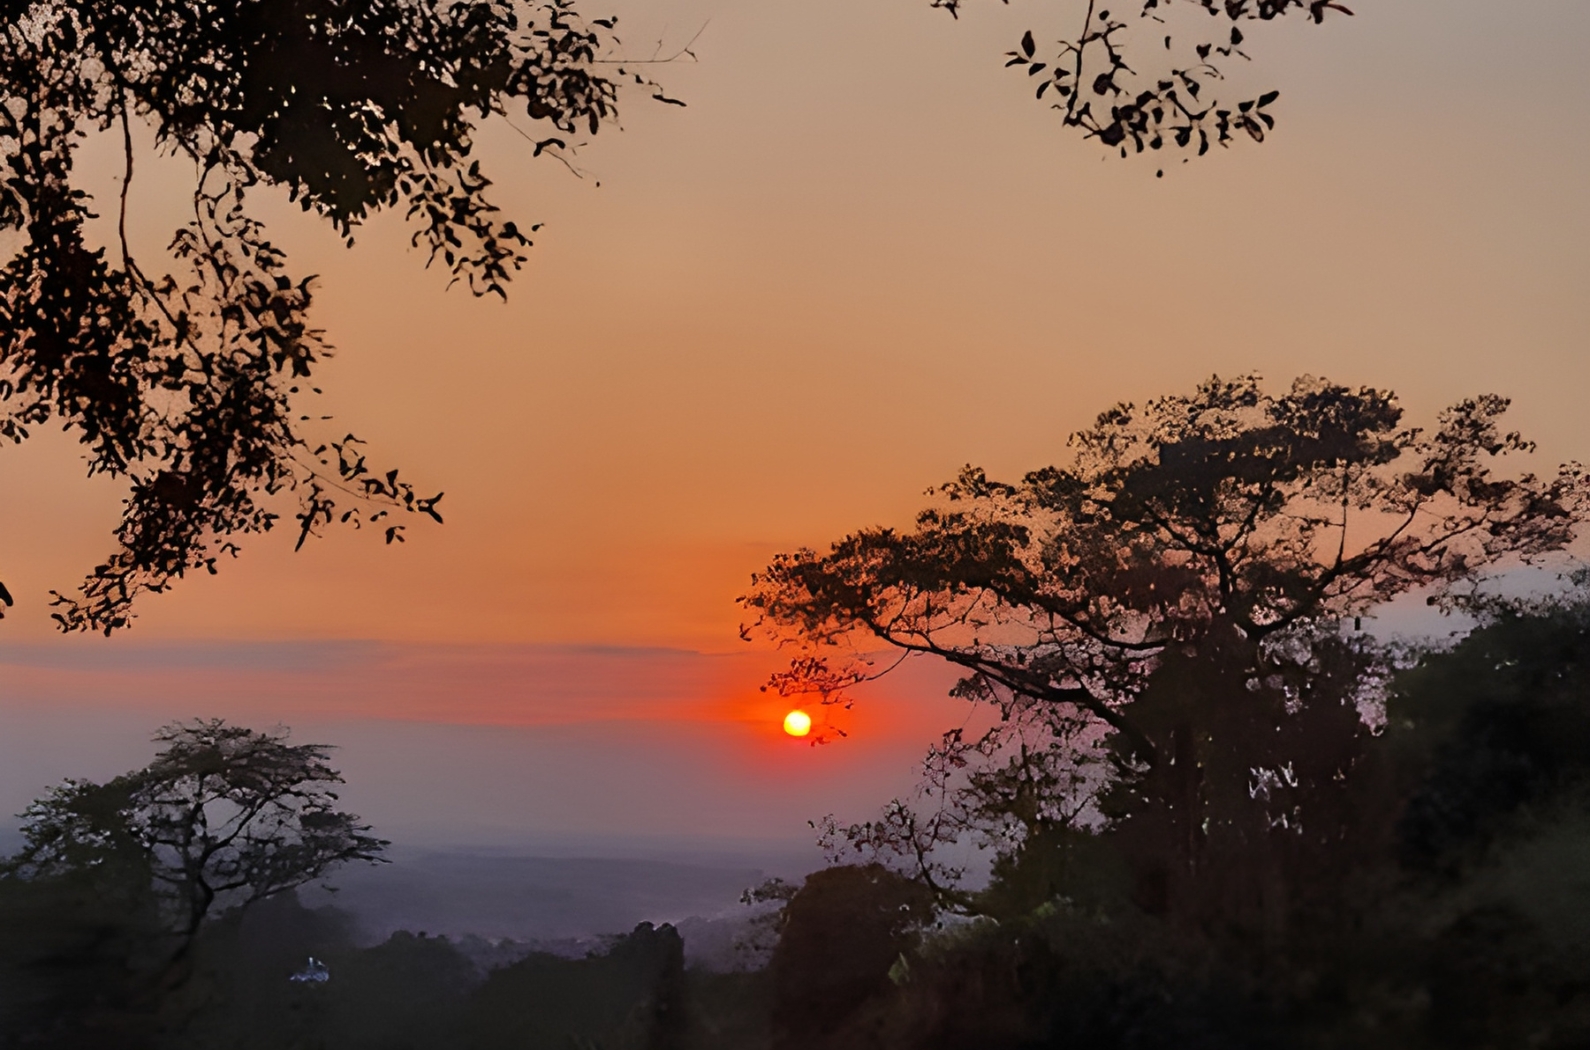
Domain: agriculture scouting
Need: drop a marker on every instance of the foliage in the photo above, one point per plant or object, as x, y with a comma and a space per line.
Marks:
423, 991
1159, 627
223, 817
1157, 105
74, 947
843, 934
1500, 731
629, 997
188, 385
1230, 510
408, 990
1451, 856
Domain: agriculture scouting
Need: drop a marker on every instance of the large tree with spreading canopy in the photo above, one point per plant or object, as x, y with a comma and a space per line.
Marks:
1163, 625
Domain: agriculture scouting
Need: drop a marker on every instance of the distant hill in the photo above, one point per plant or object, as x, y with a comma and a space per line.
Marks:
544, 900
563, 905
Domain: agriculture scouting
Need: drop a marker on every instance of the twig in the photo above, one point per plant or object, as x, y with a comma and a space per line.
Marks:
126, 182
655, 60
546, 146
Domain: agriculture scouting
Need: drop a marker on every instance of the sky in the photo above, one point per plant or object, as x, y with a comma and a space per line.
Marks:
860, 257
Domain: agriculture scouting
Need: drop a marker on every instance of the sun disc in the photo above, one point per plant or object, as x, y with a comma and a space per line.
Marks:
797, 723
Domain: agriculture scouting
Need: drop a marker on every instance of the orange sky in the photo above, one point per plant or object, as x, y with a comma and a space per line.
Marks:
860, 258
487, 745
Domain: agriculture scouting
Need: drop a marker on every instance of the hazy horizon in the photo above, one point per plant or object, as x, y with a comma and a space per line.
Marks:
859, 258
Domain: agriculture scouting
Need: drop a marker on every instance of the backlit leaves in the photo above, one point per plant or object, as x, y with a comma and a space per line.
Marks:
186, 385
1110, 81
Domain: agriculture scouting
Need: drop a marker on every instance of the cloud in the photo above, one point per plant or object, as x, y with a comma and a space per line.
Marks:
468, 684
510, 745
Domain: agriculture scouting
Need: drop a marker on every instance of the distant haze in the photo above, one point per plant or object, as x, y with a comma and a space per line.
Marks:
529, 898
859, 258
560, 751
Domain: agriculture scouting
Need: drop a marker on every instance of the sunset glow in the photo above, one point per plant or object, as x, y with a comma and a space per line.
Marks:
1138, 430
744, 340
797, 723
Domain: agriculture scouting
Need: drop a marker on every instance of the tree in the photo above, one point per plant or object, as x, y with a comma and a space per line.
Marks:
190, 386
631, 996
1489, 744
843, 933
75, 945
1181, 591
223, 817
1496, 731
1158, 105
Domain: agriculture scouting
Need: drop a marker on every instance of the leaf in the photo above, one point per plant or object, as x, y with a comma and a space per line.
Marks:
1027, 46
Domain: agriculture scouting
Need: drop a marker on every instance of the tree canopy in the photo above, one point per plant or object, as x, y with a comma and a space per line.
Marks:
189, 385
223, 817
1444, 904
1162, 627
1266, 517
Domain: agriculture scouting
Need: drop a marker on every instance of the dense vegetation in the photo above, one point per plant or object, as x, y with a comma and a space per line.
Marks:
1218, 814
1448, 906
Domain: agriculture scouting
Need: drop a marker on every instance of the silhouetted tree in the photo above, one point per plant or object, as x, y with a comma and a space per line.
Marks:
1454, 849
1491, 746
223, 817
75, 947
1268, 518
188, 385
1164, 98
1160, 625
1497, 727
629, 997
100, 908
844, 933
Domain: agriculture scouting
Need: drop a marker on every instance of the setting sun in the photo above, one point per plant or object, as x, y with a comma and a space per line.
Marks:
797, 723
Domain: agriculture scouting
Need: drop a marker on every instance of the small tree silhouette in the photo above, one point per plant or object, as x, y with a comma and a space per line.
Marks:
223, 817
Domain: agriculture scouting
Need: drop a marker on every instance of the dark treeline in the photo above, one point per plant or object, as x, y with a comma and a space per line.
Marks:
1438, 895
1218, 813
1426, 884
